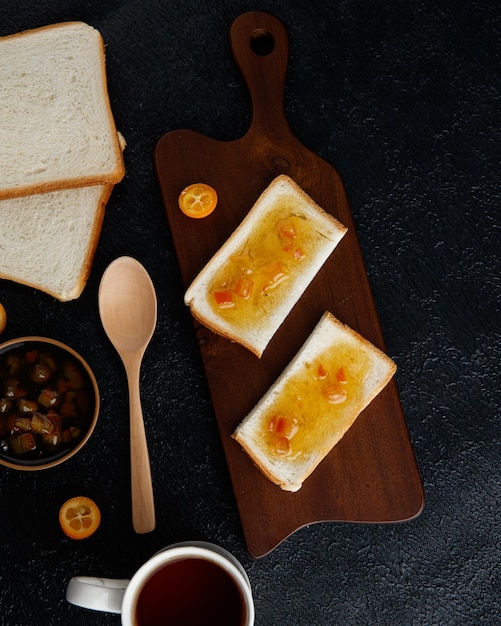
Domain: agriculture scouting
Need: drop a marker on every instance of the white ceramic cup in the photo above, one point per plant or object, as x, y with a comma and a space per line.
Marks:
122, 596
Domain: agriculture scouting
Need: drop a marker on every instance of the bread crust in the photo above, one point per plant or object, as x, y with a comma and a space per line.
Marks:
290, 472
92, 246
256, 333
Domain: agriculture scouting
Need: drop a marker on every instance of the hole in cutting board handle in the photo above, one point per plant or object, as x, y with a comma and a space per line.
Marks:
262, 42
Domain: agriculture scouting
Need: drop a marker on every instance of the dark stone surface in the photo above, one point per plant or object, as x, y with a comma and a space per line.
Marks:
403, 98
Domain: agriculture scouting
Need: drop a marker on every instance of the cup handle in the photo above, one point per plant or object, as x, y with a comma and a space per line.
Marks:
100, 594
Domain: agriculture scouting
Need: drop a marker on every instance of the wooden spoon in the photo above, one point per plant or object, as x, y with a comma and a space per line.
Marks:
128, 310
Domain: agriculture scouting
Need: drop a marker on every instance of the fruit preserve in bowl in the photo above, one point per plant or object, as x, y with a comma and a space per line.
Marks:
49, 403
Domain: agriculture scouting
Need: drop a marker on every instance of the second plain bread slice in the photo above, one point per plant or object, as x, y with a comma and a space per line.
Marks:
56, 125
48, 240
250, 285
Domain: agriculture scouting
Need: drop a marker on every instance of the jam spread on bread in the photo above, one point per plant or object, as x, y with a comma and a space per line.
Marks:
314, 399
268, 259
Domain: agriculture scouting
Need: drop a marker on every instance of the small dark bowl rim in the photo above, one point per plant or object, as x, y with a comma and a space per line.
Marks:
18, 341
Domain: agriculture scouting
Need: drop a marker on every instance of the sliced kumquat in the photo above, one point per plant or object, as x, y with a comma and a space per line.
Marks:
79, 517
197, 200
243, 288
282, 429
3, 318
335, 393
287, 427
341, 376
287, 229
224, 298
321, 372
282, 446
274, 274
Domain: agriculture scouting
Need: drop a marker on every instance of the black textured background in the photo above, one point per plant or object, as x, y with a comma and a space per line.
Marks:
402, 98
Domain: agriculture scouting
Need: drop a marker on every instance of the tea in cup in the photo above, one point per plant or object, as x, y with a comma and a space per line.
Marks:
186, 583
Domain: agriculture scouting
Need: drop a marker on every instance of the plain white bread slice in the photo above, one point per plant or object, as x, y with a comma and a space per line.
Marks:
312, 404
275, 268
56, 125
48, 241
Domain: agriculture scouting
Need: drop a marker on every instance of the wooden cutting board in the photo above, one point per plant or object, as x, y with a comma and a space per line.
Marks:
371, 475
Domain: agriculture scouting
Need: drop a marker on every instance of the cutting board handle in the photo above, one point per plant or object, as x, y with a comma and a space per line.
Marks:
260, 46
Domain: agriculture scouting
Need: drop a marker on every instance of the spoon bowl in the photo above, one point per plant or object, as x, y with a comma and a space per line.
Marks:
128, 310
127, 305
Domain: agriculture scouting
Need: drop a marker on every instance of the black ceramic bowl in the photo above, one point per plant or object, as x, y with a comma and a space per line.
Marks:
49, 403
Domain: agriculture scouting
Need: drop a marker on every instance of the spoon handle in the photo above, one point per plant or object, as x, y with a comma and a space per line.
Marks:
143, 507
